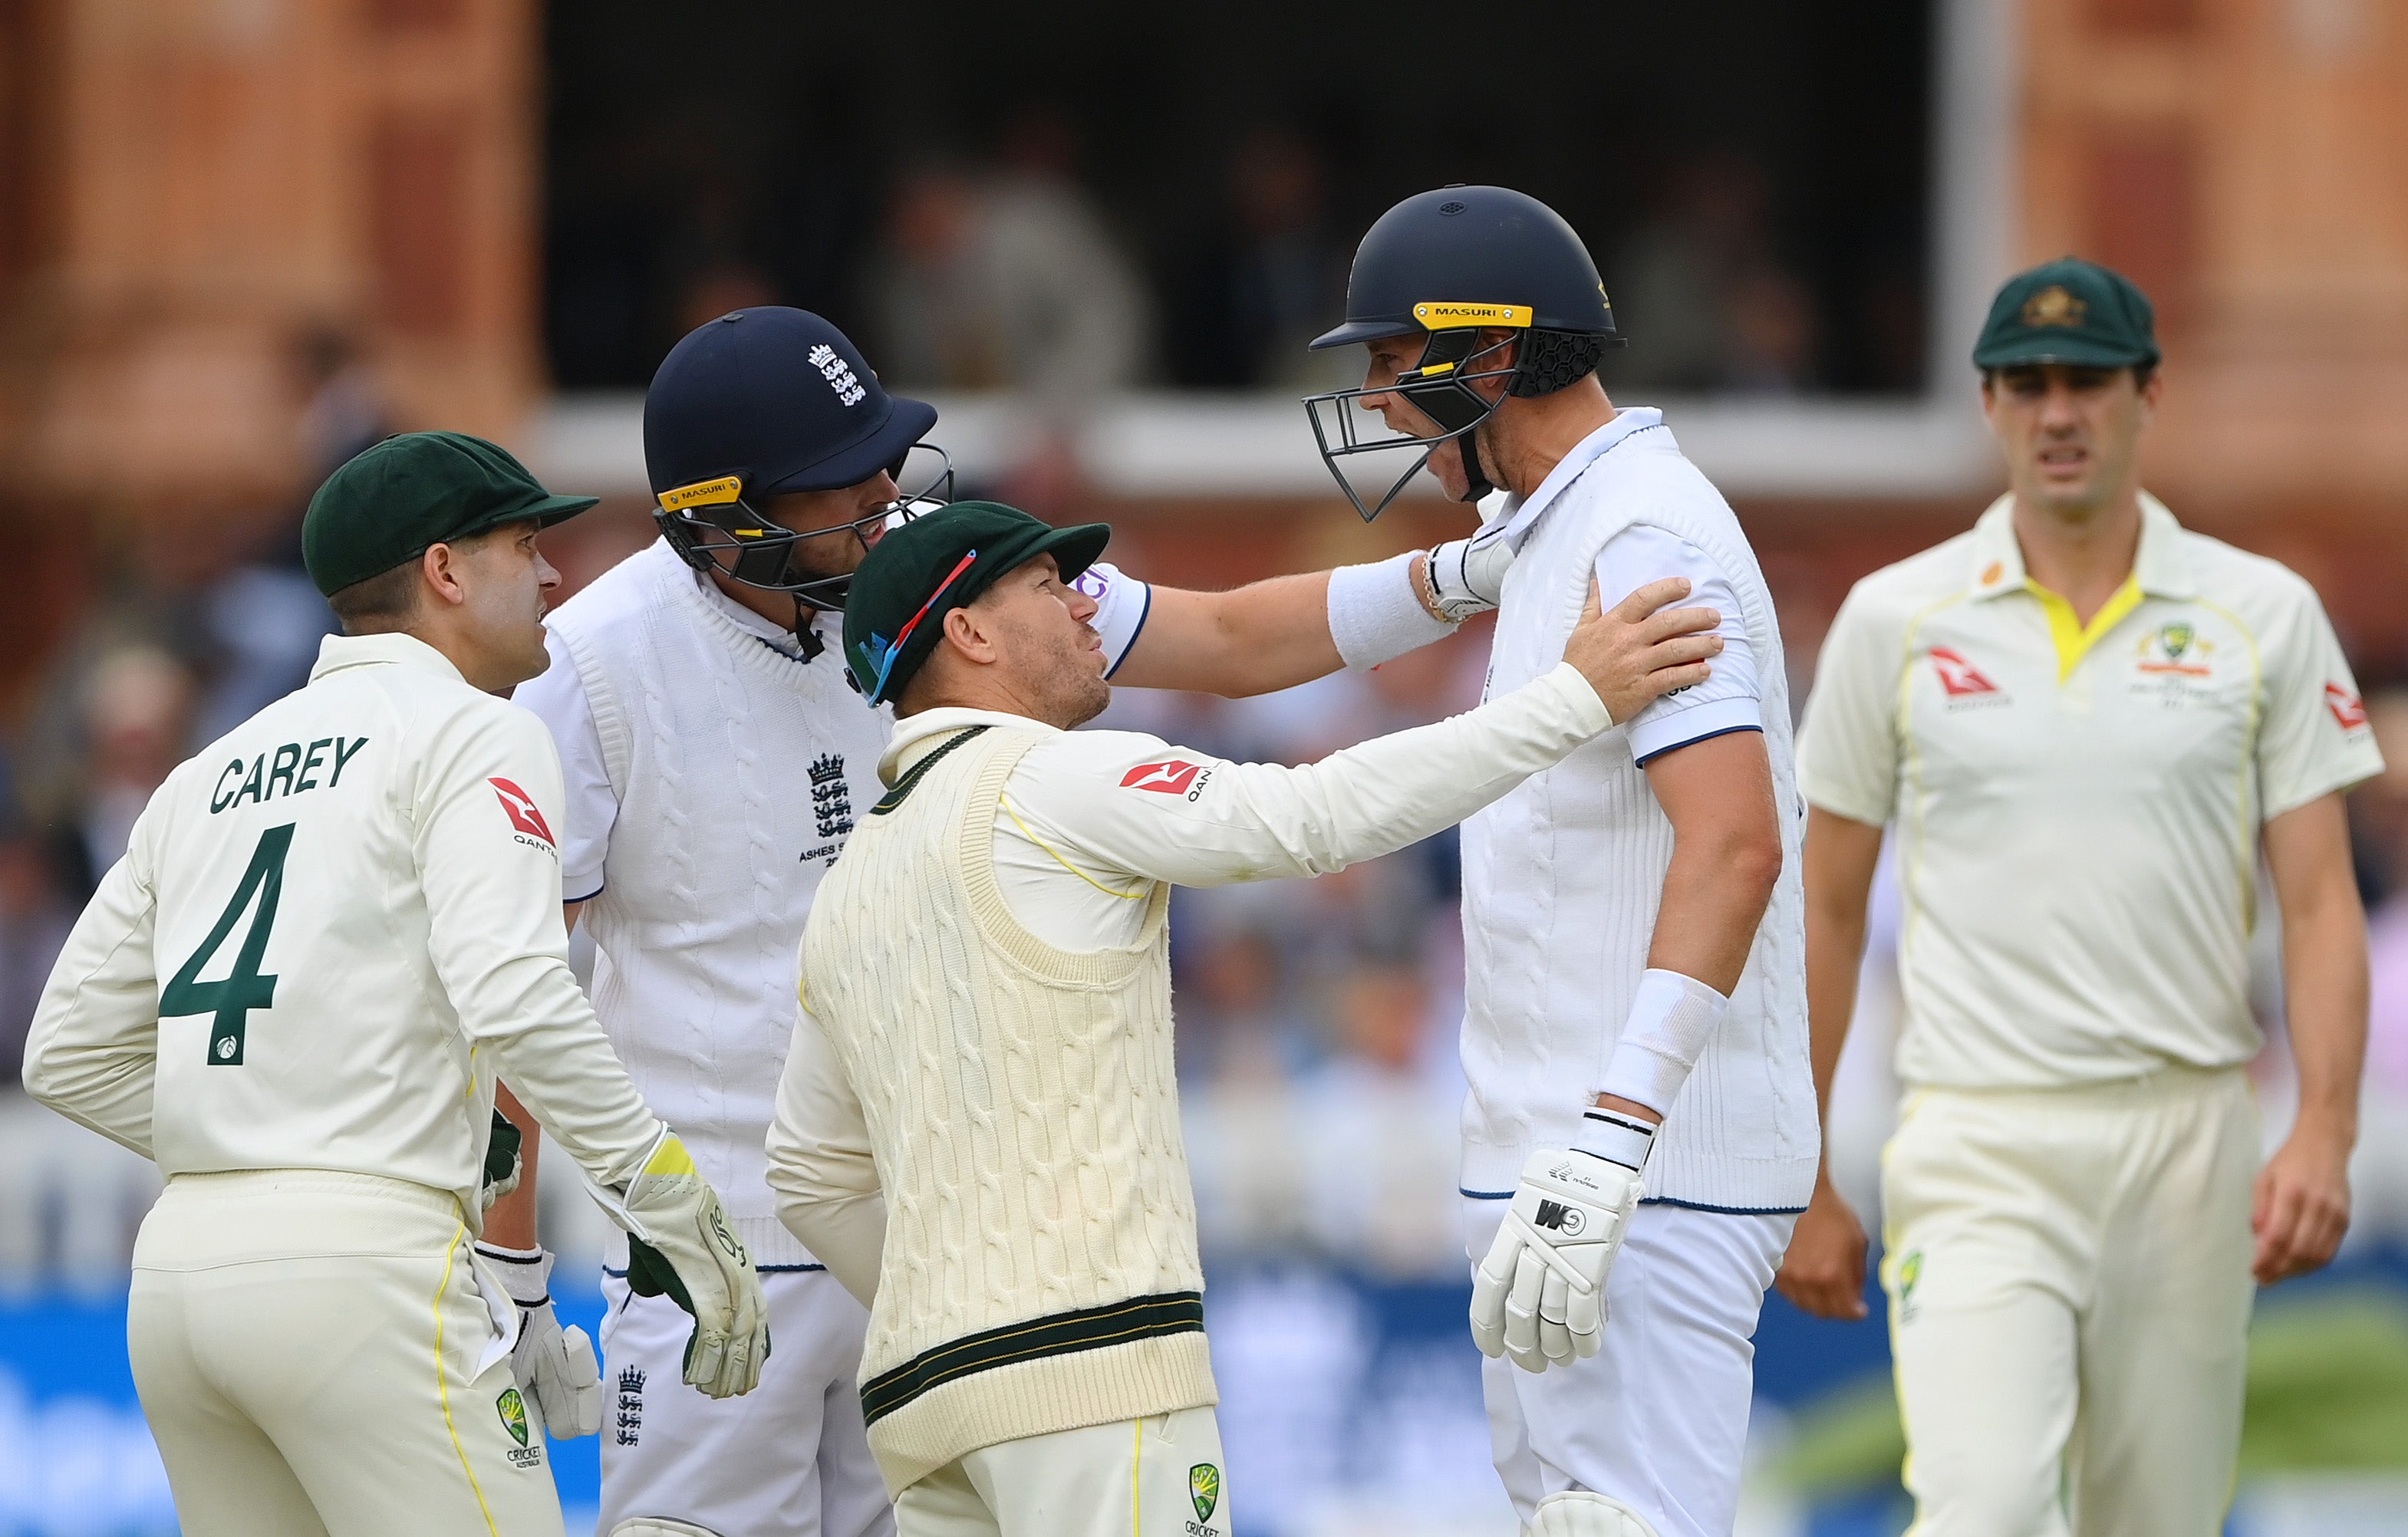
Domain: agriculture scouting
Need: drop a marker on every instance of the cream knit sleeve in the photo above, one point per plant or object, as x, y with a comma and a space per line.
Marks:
1121, 803
820, 1164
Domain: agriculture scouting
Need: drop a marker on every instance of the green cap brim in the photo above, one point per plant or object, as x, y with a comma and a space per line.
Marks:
2069, 348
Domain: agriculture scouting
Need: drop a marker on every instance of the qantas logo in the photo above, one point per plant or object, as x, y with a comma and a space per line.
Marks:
2347, 707
520, 808
1171, 776
1958, 676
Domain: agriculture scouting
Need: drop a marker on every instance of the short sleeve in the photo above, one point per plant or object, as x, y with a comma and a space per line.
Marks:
2316, 738
556, 696
1848, 748
1122, 604
1729, 701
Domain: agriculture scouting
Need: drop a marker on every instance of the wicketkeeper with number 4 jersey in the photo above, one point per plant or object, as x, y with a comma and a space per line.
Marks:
330, 932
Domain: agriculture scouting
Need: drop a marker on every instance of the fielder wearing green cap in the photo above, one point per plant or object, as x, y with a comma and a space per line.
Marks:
986, 1006
333, 928
2085, 724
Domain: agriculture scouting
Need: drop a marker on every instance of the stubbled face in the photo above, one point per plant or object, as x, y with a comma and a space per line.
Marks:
1390, 356
506, 586
2072, 435
1051, 656
847, 520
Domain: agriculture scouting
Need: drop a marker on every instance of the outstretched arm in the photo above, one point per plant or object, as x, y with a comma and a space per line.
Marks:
1291, 630
1117, 805
1249, 640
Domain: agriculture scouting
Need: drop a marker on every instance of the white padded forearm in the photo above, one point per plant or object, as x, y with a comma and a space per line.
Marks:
1375, 616
1670, 1020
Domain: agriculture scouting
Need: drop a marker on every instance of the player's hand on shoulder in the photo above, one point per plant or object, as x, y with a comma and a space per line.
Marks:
1642, 649
555, 1368
1539, 1297
681, 1245
1823, 1272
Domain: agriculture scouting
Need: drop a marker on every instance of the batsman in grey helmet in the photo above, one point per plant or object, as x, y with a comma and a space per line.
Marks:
715, 761
1641, 1130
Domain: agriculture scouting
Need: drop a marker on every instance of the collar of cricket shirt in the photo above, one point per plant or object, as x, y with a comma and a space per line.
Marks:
1521, 515
918, 736
2161, 568
337, 652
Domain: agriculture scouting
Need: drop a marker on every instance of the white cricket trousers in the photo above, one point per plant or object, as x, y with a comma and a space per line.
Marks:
1159, 1476
789, 1458
2069, 1285
1658, 1419
317, 1358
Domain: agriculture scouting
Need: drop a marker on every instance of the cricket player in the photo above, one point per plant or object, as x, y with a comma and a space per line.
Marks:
1635, 1013
977, 1125
2086, 725
714, 769
331, 930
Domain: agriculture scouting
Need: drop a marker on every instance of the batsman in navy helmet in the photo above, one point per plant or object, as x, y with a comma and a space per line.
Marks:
776, 458
1641, 1130
1481, 293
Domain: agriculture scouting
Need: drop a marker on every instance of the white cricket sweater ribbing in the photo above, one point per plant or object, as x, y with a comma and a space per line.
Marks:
1563, 877
1039, 1271
739, 772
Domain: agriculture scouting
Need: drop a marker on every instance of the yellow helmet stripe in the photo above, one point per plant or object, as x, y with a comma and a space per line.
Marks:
1437, 315
703, 493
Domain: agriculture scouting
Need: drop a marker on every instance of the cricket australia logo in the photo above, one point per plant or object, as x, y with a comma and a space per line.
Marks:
513, 1408
630, 1426
1204, 1492
831, 796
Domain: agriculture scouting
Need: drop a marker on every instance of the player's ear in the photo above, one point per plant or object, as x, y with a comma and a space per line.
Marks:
964, 632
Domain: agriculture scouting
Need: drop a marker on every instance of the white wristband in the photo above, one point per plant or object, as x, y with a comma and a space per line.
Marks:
1670, 1020
1375, 616
1615, 1138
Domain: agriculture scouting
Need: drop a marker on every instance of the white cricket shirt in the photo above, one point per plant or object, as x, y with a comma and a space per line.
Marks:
1564, 875
2078, 810
332, 929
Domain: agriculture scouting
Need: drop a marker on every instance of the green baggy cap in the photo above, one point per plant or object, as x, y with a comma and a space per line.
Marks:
2069, 311
387, 504
916, 574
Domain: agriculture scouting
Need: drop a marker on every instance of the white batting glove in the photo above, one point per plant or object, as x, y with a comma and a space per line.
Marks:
557, 1369
679, 1244
1467, 576
1539, 1298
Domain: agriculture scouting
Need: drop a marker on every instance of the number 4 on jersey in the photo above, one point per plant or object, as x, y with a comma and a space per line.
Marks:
244, 989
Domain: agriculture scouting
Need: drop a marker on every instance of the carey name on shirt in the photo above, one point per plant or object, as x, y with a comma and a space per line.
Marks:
289, 770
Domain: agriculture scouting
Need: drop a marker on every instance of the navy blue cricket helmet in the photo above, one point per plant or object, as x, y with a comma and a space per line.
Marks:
1448, 264
759, 403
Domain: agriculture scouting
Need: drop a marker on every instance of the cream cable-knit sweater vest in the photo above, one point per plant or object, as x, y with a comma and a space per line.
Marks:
1039, 1271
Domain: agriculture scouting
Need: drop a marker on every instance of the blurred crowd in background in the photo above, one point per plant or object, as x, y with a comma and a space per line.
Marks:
1004, 269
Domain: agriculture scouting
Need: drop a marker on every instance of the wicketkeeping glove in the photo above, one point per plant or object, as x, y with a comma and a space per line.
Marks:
1539, 1298
557, 1369
1467, 576
503, 1163
680, 1244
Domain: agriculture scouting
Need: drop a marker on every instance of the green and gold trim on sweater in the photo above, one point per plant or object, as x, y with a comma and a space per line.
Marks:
1059, 1335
